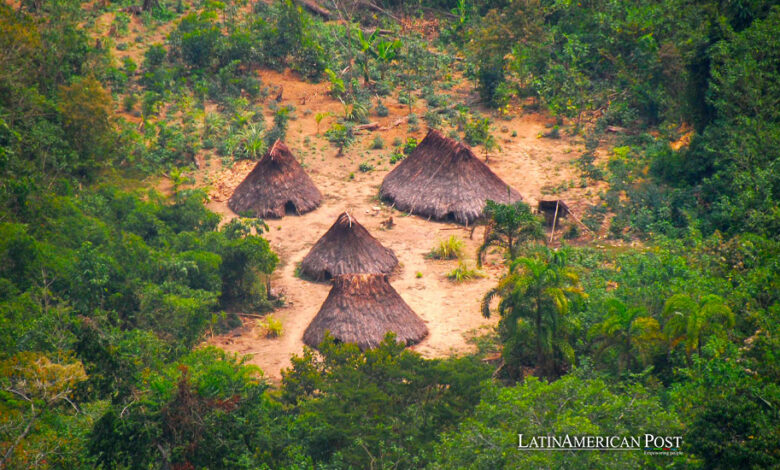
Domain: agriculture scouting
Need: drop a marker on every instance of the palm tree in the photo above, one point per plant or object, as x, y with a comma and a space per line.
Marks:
691, 322
627, 330
538, 291
509, 226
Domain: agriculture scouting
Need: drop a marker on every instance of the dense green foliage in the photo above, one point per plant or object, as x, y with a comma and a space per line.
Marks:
107, 291
712, 65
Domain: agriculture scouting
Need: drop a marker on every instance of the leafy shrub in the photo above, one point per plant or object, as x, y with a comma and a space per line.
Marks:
129, 66
378, 143
381, 109
396, 157
433, 119
270, 327
476, 131
197, 38
121, 22
410, 145
129, 101
365, 167
572, 232
594, 217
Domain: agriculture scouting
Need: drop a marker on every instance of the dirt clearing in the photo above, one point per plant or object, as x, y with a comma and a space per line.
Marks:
450, 310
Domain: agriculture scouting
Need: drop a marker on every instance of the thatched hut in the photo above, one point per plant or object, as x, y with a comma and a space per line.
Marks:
276, 186
362, 309
347, 247
443, 179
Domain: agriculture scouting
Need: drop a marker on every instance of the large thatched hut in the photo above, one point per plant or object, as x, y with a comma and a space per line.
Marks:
362, 309
276, 186
347, 247
443, 179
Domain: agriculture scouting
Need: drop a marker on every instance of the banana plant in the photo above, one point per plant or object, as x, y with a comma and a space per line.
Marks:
385, 52
366, 45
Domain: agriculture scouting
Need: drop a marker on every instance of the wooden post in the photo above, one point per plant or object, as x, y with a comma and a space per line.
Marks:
555, 219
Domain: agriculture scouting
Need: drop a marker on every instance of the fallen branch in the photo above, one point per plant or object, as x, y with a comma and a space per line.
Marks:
251, 315
441, 12
371, 126
395, 123
315, 9
376, 7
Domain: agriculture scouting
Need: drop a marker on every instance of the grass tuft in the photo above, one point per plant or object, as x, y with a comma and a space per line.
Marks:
464, 273
452, 248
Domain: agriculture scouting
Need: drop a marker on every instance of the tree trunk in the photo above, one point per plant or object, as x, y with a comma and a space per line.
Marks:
539, 354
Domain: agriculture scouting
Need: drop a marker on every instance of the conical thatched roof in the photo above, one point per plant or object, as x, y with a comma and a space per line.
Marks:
276, 186
347, 247
443, 179
362, 309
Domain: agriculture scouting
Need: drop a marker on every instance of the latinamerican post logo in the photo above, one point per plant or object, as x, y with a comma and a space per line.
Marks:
650, 444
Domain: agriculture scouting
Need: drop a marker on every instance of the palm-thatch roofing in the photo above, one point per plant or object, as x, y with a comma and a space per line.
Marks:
276, 186
443, 179
362, 309
347, 247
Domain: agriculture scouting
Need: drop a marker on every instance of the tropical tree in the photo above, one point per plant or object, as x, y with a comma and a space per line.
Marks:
573, 405
690, 322
626, 331
536, 297
32, 387
340, 135
509, 226
489, 144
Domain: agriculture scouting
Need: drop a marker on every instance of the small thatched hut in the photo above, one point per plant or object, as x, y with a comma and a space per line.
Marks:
362, 309
276, 186
347, 247
443, 179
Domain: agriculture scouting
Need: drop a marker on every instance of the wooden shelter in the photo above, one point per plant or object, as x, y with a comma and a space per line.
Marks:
552, 209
